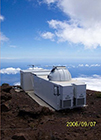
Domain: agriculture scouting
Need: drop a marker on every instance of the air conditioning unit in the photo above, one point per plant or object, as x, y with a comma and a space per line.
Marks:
79, 94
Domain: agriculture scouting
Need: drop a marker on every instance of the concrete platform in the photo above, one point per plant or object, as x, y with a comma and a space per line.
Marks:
39, 100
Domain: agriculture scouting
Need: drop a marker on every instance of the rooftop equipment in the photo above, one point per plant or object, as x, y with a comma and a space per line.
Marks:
55, 87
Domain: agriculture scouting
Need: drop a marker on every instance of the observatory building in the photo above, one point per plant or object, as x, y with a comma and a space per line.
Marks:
55, 87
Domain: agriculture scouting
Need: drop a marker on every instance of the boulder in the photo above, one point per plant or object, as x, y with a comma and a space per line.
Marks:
6, 88
5, 107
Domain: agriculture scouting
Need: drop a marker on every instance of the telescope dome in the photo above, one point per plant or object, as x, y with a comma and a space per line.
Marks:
59, 73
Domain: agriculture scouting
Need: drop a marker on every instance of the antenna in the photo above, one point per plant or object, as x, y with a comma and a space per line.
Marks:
31, 66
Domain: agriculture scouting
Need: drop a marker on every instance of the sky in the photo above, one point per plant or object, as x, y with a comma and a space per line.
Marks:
50, 30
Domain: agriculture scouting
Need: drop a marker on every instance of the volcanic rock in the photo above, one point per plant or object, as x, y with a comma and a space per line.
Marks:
5, 107
19, 137
6, 87
23, 119
5, 96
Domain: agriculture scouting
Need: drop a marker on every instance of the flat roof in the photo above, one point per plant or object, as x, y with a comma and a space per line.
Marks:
35, 71
41, 73
62, 83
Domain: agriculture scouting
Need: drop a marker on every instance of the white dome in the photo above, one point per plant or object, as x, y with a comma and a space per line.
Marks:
59, 73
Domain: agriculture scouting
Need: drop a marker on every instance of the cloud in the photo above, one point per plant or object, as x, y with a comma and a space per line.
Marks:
64, 31
2, 18
89, 65
35, 68
17, 84
48, 35
3, 38
10, 70
93, 82
12, 46
49, 1
80, 65
86, 65
95, 65
84, 25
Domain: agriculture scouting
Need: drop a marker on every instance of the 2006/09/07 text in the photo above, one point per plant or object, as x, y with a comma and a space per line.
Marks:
81, 123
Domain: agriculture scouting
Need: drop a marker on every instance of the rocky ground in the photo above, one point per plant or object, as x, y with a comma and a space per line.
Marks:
23, 119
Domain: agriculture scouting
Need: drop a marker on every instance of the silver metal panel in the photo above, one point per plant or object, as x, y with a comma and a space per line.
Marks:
79, 90
41, 73
26, 80
26, 77
45, 90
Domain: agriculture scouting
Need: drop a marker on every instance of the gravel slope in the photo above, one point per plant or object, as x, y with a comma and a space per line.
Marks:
23, 119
